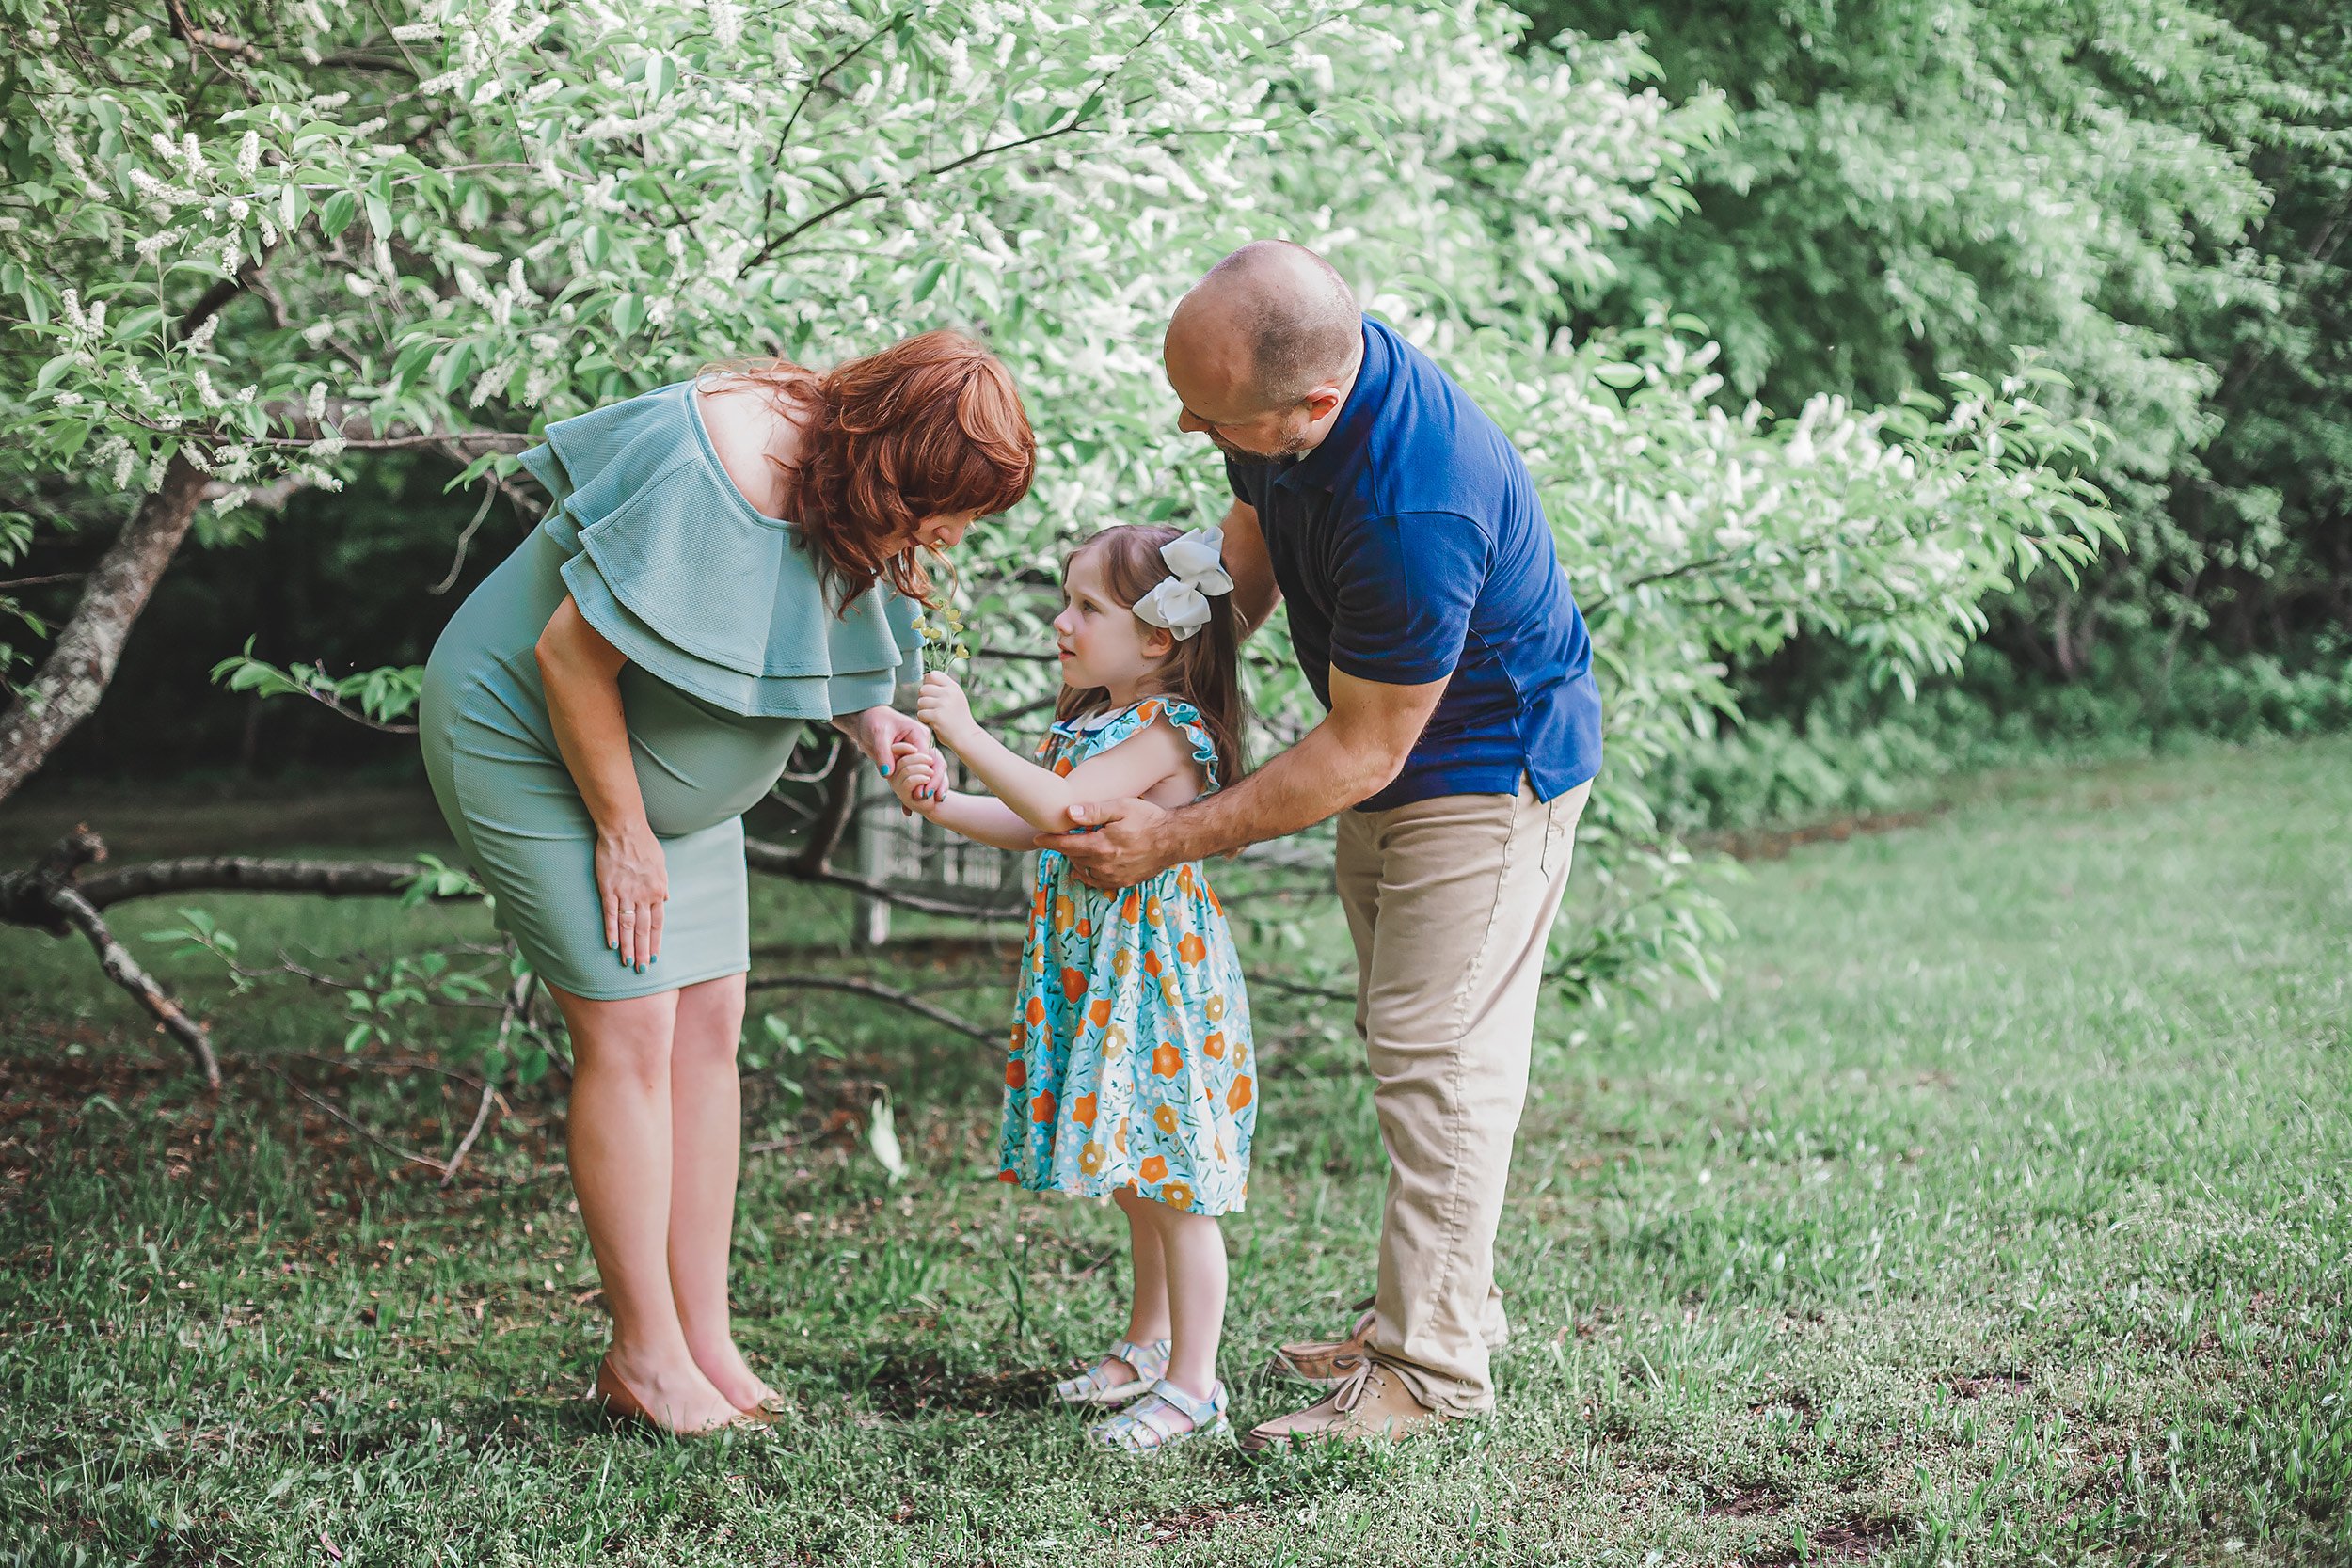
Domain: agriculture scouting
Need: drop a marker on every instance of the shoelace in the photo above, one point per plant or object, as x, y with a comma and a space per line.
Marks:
1356, 1371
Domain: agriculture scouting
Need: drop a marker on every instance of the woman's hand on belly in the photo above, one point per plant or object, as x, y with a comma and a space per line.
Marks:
634, 882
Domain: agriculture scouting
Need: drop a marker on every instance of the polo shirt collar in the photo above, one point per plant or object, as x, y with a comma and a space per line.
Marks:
1352, 431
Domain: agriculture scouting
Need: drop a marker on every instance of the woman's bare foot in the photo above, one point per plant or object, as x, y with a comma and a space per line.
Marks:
676, 1399
726, 1371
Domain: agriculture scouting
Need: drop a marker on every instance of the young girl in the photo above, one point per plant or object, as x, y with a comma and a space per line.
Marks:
1130, 1071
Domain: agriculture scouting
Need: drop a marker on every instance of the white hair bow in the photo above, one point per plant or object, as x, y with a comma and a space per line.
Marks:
1196, 565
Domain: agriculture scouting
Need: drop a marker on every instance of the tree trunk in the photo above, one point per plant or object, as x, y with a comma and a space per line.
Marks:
74, 675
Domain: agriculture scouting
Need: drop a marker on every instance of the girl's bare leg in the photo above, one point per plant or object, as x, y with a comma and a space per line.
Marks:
620, 1151
1147, 1309
1193, 1248
707, 1134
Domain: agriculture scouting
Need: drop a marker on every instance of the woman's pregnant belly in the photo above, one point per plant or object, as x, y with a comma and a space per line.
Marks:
485, 714
697, 766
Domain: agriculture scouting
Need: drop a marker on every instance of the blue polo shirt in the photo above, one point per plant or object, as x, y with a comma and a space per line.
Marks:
1411, 546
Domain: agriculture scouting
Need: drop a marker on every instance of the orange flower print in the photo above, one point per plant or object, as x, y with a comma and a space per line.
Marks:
1041, 1108
1151, 911
1061, 767
1064, 913
1150, 964
1037, 905
1215, 1008
1119, 1139
1018, 1035
1129, 909
1192, 949
1221, 1155
1082, 1110
1090, 1158
1168, 991
1185, 879
1153, 1169
1073, 985
1017, 1074
1214, 1047
1176, 1195
1099, 1011
1165, 1119
1148, 712
1239, 1096
1114, 1040
1037, 1009
1123, 961
1086, 930
1166, 1061
1007, 1176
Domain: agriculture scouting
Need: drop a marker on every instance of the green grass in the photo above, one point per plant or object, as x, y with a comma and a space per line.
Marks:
1995, 1212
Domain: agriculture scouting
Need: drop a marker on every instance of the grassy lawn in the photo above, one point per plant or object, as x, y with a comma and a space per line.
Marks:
1996, 1212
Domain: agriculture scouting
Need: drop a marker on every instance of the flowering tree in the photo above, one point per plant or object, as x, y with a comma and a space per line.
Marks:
248, 245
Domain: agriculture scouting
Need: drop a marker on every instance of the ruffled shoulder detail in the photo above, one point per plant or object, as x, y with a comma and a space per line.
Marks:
687, 579
1095, 734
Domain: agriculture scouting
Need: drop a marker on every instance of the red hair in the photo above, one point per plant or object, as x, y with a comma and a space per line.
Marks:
930, 425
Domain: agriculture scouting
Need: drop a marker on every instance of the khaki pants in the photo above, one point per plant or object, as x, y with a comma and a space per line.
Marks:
1449, 902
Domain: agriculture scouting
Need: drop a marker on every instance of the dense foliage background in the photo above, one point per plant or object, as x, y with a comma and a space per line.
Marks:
1822, 326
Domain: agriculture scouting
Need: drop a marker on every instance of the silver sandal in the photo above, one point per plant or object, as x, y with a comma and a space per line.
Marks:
1149, 1425
1095, 1386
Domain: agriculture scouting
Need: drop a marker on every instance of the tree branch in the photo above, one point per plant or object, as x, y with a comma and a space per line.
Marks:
778, 860
855, 987
74, 675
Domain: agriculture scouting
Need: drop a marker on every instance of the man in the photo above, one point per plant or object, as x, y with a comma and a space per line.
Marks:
1429, 612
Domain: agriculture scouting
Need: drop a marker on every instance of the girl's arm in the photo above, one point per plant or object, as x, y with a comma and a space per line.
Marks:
1036, 795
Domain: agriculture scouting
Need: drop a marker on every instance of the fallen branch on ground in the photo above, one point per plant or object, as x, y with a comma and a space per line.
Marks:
878, 992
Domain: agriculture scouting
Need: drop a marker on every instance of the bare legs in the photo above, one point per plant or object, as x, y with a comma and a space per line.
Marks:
654, 1081
1180, 1288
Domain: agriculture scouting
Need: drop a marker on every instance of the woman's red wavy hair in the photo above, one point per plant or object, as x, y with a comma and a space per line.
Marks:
930, 425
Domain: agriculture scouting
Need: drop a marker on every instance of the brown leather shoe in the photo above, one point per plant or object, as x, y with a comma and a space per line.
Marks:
1322, 1362
1369, 1401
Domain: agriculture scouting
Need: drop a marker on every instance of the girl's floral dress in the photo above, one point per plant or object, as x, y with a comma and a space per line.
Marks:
1131, 1063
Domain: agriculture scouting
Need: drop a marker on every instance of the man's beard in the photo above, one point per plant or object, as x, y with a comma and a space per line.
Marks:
1296, 445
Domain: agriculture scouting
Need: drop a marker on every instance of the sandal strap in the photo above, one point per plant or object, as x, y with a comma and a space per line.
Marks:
1202, 1413
1149, 1360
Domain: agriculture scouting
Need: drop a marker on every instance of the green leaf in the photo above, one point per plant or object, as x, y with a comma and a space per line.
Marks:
337, 214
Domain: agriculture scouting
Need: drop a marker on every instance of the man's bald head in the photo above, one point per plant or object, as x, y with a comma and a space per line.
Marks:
1264, 349
1277, 314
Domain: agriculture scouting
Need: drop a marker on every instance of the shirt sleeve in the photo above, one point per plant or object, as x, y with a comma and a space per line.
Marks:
1404, 588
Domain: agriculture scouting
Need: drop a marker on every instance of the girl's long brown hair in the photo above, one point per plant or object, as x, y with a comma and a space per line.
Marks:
1203, 669
930, 425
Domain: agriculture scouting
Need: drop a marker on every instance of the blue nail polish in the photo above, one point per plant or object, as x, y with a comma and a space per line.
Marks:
655, 959
640, 968
885, 768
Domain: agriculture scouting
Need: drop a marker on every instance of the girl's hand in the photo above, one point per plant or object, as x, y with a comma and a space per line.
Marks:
634, 882
917, 786
944, 707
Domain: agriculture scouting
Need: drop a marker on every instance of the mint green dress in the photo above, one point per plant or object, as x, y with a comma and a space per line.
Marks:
734, 640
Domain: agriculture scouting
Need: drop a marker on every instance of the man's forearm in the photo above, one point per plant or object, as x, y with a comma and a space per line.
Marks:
1323, 774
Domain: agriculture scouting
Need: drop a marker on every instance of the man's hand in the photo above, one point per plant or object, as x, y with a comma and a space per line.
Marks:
1132, 840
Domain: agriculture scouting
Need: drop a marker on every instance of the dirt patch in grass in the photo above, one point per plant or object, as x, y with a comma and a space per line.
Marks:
1771, 844
923, 1385
1747, 1503
1854, 1540
1991, 1382
1198, 1520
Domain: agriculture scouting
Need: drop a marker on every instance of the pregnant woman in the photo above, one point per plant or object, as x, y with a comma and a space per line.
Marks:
728, 558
